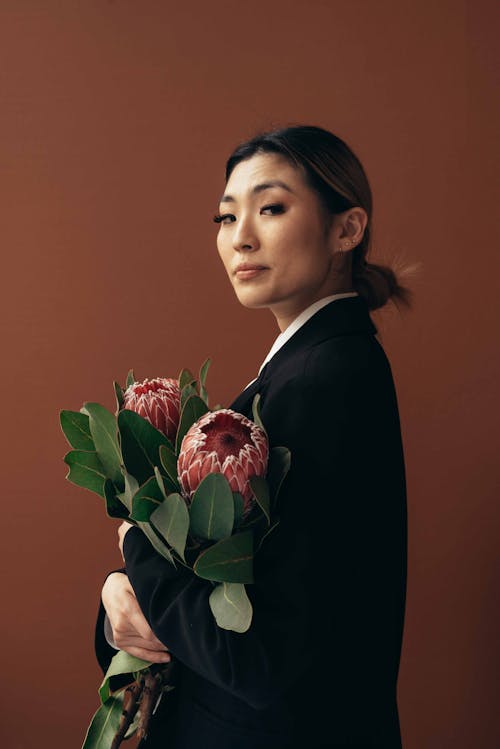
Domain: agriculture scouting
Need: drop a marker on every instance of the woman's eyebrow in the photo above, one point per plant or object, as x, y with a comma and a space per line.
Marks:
258, 188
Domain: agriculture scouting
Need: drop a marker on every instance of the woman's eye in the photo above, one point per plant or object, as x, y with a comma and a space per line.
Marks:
219, 218
275, 208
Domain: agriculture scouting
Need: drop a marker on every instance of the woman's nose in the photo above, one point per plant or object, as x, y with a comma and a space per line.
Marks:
244, 236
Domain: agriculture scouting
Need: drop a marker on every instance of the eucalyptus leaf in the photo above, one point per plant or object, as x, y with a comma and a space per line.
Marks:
104, 430
168, 461
231, 607
114, 507
131, 487
211, 510
105, 723
171, 519
86, 470
121, 663
256, 411
140, 443
192, 410
259, 541
75, 426
160, 482
146, 499
229, 560
277, 467
260, 490
157, 543
239, 506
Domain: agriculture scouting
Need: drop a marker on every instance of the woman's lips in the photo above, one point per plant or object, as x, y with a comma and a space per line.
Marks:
249, 273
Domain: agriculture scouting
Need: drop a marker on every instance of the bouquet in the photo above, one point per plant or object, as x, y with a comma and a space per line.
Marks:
201, 484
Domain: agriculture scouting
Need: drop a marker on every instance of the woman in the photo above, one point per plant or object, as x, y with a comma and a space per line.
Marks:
318, 666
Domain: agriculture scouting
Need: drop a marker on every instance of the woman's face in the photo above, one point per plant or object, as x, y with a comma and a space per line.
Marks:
281, 228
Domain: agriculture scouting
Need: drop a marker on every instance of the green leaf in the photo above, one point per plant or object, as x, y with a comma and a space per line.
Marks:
103, 428
277, 467
157, 543
119, 397
146, 500
169, 464
192, 410
260, 489
229, 560
161, 483
204, 395
114, 507
239, 506
231, 606
185, 378
256, 411
130, 378
203, 376
265, 534
203, 370
121, 663
171, 519
105, 723
212, 508
186, 393
86, 470
75, 426
131, 487
140, 443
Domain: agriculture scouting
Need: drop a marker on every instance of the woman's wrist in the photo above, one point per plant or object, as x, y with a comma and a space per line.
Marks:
108, 632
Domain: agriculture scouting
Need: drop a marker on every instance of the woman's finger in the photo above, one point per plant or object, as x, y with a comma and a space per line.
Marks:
130, 637
137, 621
145, 655
130, 641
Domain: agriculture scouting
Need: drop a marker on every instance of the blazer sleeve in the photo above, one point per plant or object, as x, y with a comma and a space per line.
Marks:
303, 594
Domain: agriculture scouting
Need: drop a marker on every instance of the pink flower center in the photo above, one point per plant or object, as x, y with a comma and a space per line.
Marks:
153, 385
226, 436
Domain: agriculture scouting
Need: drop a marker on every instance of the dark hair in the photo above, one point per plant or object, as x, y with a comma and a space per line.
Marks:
335, 173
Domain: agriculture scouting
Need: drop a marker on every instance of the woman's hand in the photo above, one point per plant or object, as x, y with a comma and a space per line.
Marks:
131, 632
121, 535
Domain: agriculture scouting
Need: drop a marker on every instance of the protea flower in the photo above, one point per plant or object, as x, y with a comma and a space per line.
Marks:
226, 442
158, 401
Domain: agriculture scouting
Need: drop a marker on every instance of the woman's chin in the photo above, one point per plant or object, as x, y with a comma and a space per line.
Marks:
252, 301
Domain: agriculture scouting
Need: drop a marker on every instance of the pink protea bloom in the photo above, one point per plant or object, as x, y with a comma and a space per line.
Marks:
226, 442
158, 401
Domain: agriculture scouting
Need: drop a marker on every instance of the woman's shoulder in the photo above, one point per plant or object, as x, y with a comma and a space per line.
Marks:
338, 370
345, 354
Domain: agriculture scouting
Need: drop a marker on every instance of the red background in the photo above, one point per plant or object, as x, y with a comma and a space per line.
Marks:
115, 122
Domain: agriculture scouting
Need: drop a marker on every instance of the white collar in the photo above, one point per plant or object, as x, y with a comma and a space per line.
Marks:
298, 322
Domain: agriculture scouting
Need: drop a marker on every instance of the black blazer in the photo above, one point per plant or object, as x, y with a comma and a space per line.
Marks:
319, 665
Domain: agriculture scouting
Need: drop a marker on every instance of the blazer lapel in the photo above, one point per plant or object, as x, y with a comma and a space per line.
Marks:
243, 402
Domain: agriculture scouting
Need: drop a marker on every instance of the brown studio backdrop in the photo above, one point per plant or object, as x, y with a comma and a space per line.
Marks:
116, 119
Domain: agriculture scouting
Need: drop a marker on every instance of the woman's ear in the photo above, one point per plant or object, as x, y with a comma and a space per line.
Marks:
353, 223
